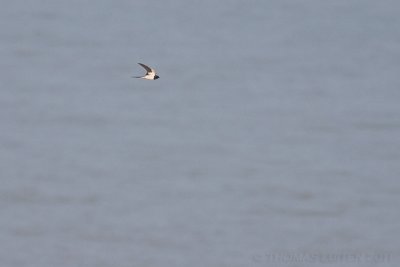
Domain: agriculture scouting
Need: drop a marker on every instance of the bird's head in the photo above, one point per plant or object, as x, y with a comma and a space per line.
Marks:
156, 77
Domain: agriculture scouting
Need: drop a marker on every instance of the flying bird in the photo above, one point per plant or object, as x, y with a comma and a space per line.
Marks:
150, 73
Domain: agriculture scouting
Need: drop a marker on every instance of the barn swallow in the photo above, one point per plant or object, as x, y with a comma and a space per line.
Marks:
150, 73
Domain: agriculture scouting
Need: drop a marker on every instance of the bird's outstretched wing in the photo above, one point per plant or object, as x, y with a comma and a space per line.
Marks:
147, 68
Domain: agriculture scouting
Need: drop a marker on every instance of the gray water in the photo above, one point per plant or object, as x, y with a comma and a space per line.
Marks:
272, 137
